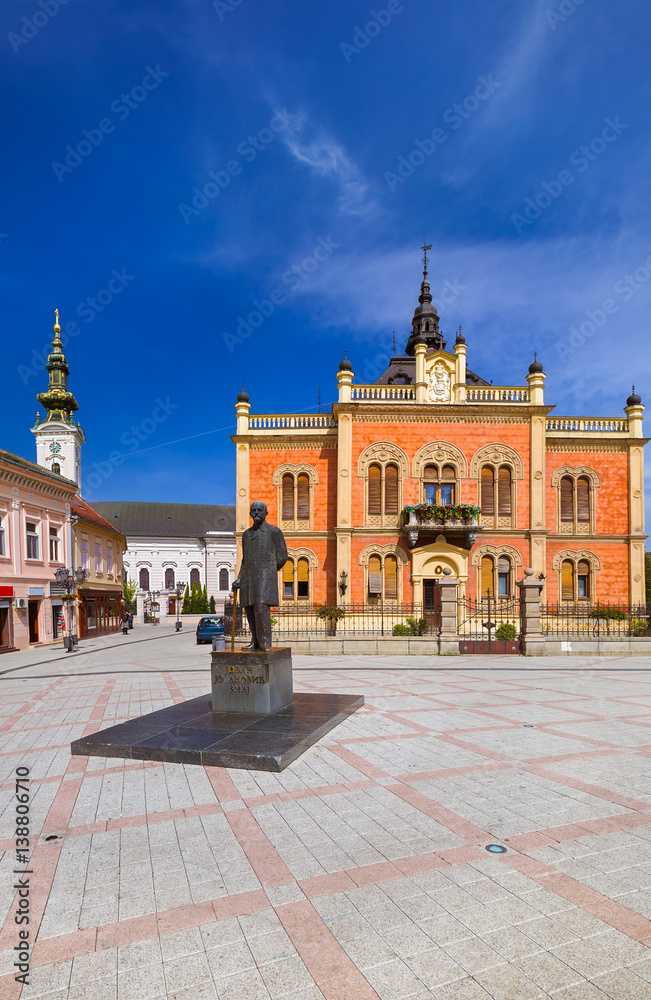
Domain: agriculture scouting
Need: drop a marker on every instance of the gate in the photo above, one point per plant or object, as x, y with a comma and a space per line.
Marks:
432, 605
491, 625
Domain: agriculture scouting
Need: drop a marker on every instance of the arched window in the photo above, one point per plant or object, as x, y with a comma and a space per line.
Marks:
223, 579
583, 499
302, 497
144, 579
583, 580
439, 484
503, 576
169, 579
390, 576
288, 579
567, 498
288, 497
375, 489
195, 578
375, 577
303, 578
487, 502
567, 580
504, 491
56, 468
391, 489
496, 496
487, 583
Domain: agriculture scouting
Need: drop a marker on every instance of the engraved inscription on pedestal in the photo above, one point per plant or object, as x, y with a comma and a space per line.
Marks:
256, 681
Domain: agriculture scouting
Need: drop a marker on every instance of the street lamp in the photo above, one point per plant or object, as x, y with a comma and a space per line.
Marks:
180, 587
152, 599
70, 579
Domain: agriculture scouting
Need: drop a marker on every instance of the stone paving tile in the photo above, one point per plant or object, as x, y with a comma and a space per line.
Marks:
431, 917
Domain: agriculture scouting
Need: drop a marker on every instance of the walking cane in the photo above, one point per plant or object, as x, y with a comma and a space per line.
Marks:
234, 619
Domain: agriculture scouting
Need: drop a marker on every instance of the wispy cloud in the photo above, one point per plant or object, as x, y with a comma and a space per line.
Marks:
318, 150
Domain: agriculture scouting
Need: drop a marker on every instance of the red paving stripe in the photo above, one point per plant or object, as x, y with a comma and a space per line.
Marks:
586, 754
481, 751
468, 831
596, 790
325, 885
222, 784
173, 688
357, 762
611, 912
263, 857
452, 772
333, 971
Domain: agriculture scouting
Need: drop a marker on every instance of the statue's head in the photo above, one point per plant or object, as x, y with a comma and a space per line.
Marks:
258, 511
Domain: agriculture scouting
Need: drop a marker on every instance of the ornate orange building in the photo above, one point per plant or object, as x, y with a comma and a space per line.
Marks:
562, 495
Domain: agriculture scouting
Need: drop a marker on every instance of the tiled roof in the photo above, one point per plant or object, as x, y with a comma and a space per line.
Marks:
86, 513
167, 520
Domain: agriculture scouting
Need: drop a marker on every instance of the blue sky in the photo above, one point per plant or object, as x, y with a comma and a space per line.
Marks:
222, 144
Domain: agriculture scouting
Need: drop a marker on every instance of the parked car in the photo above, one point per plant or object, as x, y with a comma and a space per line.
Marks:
208, 628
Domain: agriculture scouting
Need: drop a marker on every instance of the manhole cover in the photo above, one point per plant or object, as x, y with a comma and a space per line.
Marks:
496, 849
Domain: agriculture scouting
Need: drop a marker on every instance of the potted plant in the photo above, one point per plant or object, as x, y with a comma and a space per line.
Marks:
330, 614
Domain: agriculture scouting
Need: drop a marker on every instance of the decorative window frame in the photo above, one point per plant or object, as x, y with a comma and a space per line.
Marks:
293, 555
301, 468
576, 527
383, 551
576, 556
495, 456
441, 453
496, 551
382, 453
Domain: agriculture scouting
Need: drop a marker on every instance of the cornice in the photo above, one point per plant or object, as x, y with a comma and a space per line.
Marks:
586, 444
442, 412
36, 486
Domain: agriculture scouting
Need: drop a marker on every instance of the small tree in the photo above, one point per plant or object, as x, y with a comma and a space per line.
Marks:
129, 588
212, 604
186, 601
205, 607
195, 598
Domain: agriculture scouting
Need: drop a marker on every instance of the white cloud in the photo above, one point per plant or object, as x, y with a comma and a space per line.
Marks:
327, 158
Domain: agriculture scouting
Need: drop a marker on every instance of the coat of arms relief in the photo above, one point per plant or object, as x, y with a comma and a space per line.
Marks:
439, 384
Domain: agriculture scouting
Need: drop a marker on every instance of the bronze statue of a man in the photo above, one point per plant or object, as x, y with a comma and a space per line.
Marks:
263, 553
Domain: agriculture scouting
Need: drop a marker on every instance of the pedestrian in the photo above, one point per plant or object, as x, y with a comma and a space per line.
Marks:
130, 619
125, 623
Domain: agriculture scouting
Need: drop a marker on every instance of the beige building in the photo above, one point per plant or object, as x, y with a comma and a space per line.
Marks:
99, 550
35, 541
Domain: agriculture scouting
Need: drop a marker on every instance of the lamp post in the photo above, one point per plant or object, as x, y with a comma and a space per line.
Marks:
70, 579
152, 598
180, 587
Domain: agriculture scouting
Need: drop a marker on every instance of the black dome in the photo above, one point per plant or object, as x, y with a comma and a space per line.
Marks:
345, 366
633, 399
535, 366
460, 339
242, 396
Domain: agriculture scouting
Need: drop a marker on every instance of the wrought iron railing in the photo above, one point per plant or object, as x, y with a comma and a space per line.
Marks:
581, 619
377, 619
490, 618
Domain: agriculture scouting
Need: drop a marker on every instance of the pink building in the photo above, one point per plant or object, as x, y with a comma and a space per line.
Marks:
35, 541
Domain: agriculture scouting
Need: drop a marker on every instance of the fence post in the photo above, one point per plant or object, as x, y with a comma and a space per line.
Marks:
532, 640
449, 634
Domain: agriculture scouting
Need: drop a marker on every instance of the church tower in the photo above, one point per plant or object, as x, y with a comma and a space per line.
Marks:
58, 437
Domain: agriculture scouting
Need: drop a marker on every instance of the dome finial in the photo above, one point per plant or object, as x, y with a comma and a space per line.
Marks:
535, 367
425, 247
460, 339
242, 396
634, 399
345, 365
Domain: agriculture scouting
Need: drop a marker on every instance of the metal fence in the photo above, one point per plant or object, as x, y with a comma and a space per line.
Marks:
380, 619
488, 619
603, 621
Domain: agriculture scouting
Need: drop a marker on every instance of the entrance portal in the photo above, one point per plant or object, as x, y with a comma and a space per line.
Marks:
432, 604
33, 621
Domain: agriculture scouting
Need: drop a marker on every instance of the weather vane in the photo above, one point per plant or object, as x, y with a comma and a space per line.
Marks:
425, 248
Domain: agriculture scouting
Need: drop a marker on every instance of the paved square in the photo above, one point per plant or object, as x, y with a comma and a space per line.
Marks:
358, 872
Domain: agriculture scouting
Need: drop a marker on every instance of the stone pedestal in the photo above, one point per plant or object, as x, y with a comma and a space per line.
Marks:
256, 682
532, 638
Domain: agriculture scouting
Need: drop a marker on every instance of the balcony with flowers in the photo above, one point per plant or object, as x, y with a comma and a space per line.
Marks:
459, 523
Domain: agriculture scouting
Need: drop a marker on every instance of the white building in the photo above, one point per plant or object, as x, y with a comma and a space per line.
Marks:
169, 543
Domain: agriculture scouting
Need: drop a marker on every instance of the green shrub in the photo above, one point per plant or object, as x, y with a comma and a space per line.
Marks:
639, 626
330, 612
418, 626
506, 631
609, 613
401, 630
